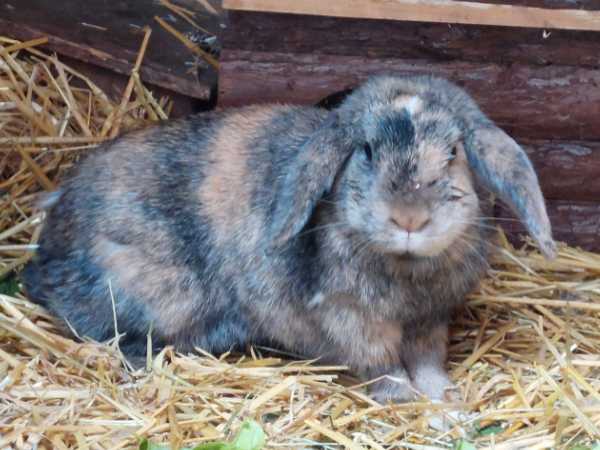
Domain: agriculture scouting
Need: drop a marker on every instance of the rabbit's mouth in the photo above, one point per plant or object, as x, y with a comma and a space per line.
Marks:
408, 256
399, 247
412, 246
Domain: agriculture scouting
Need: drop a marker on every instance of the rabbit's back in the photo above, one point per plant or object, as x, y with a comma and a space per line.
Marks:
159, 223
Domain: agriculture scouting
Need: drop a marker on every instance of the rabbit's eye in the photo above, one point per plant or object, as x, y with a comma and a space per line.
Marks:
453, 153
368, 151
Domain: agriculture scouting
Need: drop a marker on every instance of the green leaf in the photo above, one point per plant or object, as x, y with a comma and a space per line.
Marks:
250, 437
593, 446
489, 430
147, 445
9, 286
213, 446
463, 445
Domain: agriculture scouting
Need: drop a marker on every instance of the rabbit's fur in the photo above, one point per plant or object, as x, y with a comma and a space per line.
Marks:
286, 226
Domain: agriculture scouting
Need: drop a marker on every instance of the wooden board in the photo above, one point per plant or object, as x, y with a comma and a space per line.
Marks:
477, 13
289, 33
577, 223
545, 102
567, 170
552, 4
108, 34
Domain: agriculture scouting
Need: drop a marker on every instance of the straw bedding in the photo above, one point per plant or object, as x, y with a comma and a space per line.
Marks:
525, 353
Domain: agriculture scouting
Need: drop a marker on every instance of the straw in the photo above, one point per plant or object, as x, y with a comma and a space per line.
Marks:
188, 43
50, 115
525, 353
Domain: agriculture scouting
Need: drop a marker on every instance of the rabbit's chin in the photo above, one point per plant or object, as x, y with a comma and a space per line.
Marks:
403, 252
415, 245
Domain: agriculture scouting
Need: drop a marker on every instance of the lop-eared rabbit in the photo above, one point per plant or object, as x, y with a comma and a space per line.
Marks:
349, 235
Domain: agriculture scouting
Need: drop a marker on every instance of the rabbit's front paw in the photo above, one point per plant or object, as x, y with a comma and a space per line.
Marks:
432, 381
395, 387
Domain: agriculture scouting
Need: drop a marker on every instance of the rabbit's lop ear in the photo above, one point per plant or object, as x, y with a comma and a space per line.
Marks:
307, 178
503, 166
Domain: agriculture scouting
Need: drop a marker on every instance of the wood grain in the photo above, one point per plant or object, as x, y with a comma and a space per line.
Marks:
476, 13
577, 223
546, 102
566, 170
289, 33
552, 4
108, 34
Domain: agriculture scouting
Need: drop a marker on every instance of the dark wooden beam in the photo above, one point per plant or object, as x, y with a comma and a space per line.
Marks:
546, 102
577, 223
107, 34
585, 5
289, 33
567, 170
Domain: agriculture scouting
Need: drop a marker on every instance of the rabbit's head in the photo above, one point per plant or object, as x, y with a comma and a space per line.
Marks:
397, 160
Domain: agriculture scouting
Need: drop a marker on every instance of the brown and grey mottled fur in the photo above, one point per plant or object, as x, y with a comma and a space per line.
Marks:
349, 235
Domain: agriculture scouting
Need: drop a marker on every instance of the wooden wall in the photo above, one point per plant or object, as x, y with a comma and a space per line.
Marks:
543, 87
108, 34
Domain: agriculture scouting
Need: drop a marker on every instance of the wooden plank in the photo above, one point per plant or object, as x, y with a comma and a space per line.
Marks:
577, 223
546, 102
123, 64
567, 170
552, 4
289, 33
476, 13
108, 34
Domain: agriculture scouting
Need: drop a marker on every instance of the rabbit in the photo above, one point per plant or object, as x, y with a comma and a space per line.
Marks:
350, 235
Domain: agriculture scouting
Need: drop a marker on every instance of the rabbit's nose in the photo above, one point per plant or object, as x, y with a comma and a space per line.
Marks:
410, 219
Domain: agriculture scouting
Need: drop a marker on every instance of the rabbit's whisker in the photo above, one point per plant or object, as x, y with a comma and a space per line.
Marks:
360, 247
324, 227
474, 249
503, 219
477, 224
492, 246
